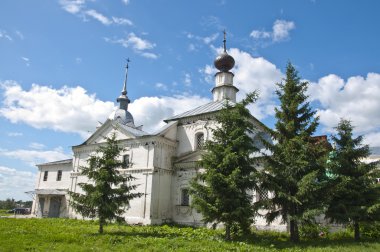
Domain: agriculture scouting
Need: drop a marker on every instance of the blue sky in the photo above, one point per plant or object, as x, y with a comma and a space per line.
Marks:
62, 66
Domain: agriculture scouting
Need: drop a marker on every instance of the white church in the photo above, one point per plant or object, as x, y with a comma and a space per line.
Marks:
163, 163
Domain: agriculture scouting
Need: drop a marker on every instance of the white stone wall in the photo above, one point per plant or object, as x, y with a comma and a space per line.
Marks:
186, 135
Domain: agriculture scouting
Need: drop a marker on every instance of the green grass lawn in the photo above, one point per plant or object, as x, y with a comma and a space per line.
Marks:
76, 235
5, 213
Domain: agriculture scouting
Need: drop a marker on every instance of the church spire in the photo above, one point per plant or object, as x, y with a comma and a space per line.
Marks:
123, 98
124, 91
122, 114
224, 41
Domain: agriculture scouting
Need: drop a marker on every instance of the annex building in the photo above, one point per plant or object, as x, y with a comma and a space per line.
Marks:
163, 163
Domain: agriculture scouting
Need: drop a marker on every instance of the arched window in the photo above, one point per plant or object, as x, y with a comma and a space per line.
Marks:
200, 139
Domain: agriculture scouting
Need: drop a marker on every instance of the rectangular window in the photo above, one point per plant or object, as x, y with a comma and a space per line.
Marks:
45, 175
59, 175
185, 197
261, 194
126, 161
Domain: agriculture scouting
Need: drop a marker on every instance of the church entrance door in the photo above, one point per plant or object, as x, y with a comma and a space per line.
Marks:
55, 205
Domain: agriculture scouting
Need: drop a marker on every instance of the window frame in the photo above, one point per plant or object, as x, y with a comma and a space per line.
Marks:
185, 197
200, 136
126, 161
262, 194
59, 175
46, 175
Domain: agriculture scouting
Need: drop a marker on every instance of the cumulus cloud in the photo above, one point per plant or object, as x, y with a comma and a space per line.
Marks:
33, 157
14, 183
280, 31
68, 109
151, 111
356, 99
138, 44
252, 74
73, 110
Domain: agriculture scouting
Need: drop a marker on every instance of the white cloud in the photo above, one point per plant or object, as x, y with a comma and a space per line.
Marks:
191, 47
37, 146
209, 72
211, 38
149, 55
151, 111
138, 44
126, 2
204, 40
19, 34
160, 85
77, 7
27, 60
121, 21
98, 16
73, 110
372, 138
14, 183
4, 34
187, 80
14, 134
68, 109
33, 157
356, 99
280, 31
260, 34
72, 6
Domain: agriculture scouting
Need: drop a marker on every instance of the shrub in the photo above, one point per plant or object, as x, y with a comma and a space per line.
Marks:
313, 230
370, 229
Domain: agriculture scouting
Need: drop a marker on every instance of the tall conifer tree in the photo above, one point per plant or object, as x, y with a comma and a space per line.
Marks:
221, 191
293, 167
355, 194
108, 192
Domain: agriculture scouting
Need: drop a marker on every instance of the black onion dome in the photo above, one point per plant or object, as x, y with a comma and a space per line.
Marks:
224, 62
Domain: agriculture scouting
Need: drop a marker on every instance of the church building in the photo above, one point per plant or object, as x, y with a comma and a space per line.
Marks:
162, 163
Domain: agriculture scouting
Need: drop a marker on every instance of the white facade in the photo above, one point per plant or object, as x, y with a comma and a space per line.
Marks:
163, 163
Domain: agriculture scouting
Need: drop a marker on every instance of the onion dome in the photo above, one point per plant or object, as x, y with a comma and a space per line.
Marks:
122, 116
224, 62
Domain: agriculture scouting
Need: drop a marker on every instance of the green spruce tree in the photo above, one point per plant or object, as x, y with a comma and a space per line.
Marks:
355, 194
108, 192
221, 191
294, 167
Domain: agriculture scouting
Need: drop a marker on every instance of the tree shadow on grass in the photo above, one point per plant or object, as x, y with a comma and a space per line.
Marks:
275, 240
279, 240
